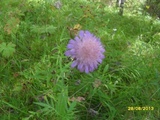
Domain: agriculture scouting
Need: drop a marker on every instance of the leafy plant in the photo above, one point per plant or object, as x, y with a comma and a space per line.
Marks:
7, 50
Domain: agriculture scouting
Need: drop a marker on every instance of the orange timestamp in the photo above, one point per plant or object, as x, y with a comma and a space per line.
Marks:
131, 108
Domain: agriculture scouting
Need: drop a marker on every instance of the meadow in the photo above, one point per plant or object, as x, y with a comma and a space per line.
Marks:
36, 78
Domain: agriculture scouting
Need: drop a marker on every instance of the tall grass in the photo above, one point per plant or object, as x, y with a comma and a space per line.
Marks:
36, 79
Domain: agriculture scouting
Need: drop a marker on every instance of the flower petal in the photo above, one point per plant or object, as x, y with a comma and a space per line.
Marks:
81, 34
68, 53
71, 41
86, 69
74, 64
77, 39
99, 60
80, 66
69, 46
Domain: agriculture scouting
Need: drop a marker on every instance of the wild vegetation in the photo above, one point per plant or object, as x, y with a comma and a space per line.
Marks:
36, 78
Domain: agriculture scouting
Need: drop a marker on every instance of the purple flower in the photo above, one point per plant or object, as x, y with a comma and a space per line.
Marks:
86, 50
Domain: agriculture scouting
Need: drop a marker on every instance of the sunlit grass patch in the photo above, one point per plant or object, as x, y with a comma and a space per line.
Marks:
140, 48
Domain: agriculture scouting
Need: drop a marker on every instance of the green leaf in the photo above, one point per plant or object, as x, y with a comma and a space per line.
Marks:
72, 107
7, 50
105, 69
2, 46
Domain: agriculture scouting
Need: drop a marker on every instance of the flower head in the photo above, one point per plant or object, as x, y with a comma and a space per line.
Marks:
86, 50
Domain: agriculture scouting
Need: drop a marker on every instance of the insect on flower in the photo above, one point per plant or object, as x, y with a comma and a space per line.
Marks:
74, 31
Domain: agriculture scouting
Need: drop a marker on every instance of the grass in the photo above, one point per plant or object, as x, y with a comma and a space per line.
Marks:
37, 82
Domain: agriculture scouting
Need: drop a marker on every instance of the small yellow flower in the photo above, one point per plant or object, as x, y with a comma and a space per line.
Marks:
147, 6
